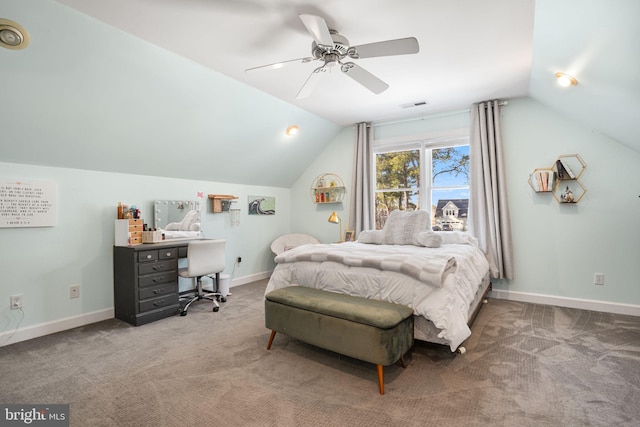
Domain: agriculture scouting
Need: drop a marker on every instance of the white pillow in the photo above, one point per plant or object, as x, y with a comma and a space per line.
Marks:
375, 237
403, 227
457, 237
429, 239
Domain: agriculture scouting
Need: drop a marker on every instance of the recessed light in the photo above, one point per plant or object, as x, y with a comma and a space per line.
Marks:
565, 80
13, 35
291, 130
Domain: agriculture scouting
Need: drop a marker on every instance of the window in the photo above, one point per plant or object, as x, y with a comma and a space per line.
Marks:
407, 180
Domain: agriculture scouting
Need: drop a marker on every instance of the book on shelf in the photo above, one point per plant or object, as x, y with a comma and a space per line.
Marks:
560, 170
542, 180
567, 169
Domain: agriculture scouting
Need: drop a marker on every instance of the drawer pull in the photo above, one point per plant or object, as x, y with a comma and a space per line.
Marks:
158, 291
157, 303
168, 254
149, 256
158, 279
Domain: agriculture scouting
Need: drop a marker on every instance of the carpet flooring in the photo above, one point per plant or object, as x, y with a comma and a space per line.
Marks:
525, 365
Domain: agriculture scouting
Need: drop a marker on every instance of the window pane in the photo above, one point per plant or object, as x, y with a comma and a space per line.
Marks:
387, 201
450, 166
451, 209
399, 169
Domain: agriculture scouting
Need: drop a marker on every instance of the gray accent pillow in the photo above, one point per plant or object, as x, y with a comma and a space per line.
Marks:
403, 227
430, 239
375, 237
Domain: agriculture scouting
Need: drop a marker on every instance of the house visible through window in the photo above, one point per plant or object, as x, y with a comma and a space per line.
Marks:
424, 174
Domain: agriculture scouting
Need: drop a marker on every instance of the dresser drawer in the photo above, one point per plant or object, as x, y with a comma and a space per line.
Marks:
158, 290
156, 279
158, 266
168, 253
159, 302
147, 256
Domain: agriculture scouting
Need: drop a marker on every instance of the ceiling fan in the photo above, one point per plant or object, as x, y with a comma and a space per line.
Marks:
332, 49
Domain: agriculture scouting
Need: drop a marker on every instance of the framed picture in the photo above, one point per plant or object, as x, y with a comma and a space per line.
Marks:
348, 235
262, 205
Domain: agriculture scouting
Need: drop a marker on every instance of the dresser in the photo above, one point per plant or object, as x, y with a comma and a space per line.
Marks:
145, 281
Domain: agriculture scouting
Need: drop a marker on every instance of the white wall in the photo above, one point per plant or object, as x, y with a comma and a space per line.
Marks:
41, 263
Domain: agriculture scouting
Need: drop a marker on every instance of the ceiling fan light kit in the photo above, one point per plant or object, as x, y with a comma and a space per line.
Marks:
12, 35
332, 48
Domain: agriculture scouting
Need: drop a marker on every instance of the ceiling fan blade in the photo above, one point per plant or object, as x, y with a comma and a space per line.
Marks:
282, 64
318, 29
364, 77
311, 83
386, 48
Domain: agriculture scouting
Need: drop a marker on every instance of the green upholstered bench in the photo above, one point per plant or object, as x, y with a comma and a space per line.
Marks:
370, 330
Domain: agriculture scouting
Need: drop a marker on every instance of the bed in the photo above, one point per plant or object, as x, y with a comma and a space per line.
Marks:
443, 276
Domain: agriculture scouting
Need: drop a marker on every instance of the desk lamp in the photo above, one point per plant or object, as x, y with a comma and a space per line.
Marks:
334, 218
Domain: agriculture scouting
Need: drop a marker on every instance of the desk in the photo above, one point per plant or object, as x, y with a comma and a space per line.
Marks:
145, 281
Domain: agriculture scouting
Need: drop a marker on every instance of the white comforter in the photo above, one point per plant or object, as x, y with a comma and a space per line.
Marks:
449, 278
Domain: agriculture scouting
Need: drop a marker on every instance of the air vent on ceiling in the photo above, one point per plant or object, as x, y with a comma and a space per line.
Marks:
414, 104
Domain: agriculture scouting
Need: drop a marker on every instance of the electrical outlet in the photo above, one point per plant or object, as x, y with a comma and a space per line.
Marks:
598, 278
74, 291
239, 260
15, 301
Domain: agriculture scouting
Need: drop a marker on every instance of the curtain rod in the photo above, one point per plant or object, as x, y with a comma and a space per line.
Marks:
430, 116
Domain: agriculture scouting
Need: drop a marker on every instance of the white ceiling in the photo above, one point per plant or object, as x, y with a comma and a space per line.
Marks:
469, 50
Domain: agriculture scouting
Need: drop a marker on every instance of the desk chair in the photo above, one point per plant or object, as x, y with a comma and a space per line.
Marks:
204, 257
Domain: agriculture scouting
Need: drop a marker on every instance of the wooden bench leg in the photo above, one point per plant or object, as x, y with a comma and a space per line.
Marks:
381, 378
273, 335
402, 362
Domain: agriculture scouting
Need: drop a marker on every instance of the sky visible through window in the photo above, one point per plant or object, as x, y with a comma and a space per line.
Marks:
445, 183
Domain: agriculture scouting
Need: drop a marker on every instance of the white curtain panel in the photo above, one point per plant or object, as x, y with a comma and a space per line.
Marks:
362, 207
489, 212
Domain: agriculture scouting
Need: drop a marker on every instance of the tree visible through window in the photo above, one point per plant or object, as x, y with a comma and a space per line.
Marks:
442, 186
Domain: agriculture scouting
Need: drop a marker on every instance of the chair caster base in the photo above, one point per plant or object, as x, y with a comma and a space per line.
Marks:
183, 313
215, 309
223, 299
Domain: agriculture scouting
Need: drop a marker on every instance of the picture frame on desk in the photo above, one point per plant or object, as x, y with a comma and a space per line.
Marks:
348, 235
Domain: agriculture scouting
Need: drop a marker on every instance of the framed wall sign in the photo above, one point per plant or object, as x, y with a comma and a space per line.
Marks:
27, 204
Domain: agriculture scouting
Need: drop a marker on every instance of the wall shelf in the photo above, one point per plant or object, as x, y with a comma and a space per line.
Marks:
327, 188
568, 188
562, 179
221, 202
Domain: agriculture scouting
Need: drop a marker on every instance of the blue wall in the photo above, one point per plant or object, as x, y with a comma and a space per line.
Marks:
41, 263
557, 248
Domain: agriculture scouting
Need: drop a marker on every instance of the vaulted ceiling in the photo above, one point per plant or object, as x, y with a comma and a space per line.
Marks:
167, 77
469, 51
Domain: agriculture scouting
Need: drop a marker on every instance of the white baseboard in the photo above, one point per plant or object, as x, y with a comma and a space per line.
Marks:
35, 331
584, 304
250, 278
